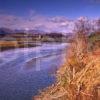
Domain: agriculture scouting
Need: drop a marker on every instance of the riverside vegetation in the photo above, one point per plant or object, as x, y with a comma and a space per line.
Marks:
79, 77
26, 40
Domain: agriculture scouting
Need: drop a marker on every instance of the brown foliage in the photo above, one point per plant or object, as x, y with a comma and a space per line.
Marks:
79, 77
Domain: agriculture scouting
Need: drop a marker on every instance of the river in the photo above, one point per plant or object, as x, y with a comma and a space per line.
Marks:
25, 71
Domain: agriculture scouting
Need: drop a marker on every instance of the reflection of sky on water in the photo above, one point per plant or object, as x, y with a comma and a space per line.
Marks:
25, 71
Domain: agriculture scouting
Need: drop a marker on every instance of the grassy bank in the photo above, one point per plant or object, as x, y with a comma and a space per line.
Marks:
79, 77
23, 40
6, 45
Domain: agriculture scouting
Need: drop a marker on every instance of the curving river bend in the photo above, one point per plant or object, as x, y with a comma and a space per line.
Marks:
23, 72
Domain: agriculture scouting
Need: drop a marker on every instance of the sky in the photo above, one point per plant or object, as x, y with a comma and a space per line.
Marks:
28, 11
68, 8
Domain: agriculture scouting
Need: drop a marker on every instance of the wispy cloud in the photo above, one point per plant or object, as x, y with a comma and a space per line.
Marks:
36, 21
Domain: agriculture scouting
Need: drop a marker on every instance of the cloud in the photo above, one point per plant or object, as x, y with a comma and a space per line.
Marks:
36, 22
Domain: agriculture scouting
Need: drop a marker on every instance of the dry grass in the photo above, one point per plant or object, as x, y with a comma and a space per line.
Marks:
8, 43
78, 78
4, 45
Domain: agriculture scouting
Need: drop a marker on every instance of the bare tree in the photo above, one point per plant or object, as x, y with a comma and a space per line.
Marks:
81, 30
82, 26
98, 25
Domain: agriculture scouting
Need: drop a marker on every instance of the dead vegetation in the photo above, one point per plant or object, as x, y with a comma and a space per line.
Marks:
79, 77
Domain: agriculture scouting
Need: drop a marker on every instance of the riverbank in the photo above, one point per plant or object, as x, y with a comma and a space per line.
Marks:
78, 78
27, 40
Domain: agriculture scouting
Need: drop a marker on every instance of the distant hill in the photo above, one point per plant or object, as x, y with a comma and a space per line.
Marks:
6, 31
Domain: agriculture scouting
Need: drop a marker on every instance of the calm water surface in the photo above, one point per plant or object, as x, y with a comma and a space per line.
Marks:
23, 72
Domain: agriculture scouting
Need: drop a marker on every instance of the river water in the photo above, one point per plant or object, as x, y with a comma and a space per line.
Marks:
23, 72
